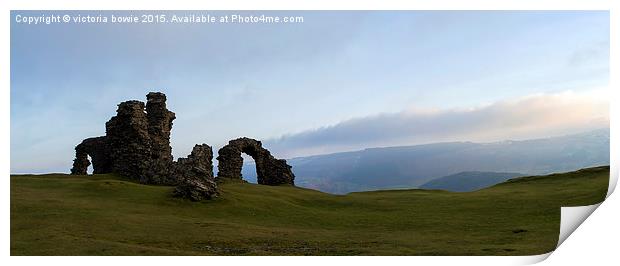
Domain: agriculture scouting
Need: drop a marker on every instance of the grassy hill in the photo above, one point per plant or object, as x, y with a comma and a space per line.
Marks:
105, 215
468, 181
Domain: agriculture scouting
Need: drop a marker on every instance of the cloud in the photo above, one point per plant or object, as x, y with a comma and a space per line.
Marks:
533, 116
595, 53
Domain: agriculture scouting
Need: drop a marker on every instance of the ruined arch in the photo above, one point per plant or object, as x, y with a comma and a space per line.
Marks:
97, 149
269, 170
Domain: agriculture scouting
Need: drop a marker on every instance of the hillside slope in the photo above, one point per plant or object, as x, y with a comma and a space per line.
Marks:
105, 215
412, 166
468, 181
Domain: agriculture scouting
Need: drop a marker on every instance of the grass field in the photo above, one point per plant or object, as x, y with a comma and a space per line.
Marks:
105, 215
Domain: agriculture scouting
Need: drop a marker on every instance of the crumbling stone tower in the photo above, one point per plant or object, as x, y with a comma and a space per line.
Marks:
159, 126
159, 120
136, 144
129, 141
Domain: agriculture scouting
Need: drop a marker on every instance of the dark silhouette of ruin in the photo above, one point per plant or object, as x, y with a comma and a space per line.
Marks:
269, 170
137, 146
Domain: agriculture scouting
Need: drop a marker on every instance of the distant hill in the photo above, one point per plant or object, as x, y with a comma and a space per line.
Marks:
468, 181
413, 166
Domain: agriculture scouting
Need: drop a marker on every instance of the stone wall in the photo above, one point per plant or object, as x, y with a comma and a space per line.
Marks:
195, 174
136, 144
159, 126
129, 141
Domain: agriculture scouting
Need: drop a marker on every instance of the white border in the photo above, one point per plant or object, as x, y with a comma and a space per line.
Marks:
583, 246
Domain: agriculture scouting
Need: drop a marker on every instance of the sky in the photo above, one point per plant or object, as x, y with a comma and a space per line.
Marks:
339, 81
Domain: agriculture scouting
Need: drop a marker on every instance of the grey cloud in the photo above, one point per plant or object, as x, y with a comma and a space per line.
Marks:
534, 116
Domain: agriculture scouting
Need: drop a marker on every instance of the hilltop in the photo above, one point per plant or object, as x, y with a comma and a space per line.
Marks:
107, 215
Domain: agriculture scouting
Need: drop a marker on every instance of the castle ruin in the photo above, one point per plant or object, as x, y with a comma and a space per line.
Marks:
137, 146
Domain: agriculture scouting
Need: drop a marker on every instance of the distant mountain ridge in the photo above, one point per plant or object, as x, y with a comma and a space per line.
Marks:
468, 181
413, 166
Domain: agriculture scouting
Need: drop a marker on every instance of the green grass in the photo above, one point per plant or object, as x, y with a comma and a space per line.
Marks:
106, 215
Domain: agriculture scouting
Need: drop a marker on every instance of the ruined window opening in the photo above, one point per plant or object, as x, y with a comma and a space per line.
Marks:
248, 169
90, 169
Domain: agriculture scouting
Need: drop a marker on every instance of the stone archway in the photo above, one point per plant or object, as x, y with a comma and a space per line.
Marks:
96, 148
269, 170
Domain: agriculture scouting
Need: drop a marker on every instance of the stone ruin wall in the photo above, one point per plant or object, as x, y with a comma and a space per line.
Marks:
137, 146
196, 175
132, 147
269, 170
99, 152
159, 125
129, 142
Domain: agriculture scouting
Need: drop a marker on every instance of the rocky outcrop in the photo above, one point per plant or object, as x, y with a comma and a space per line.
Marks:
196, 189
269, 170
137, 146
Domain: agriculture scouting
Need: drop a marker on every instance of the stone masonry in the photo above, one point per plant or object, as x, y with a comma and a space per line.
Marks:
137, 146
269, 170
196, 175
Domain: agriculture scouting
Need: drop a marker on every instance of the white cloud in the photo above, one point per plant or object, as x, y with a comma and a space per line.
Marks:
533, 116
